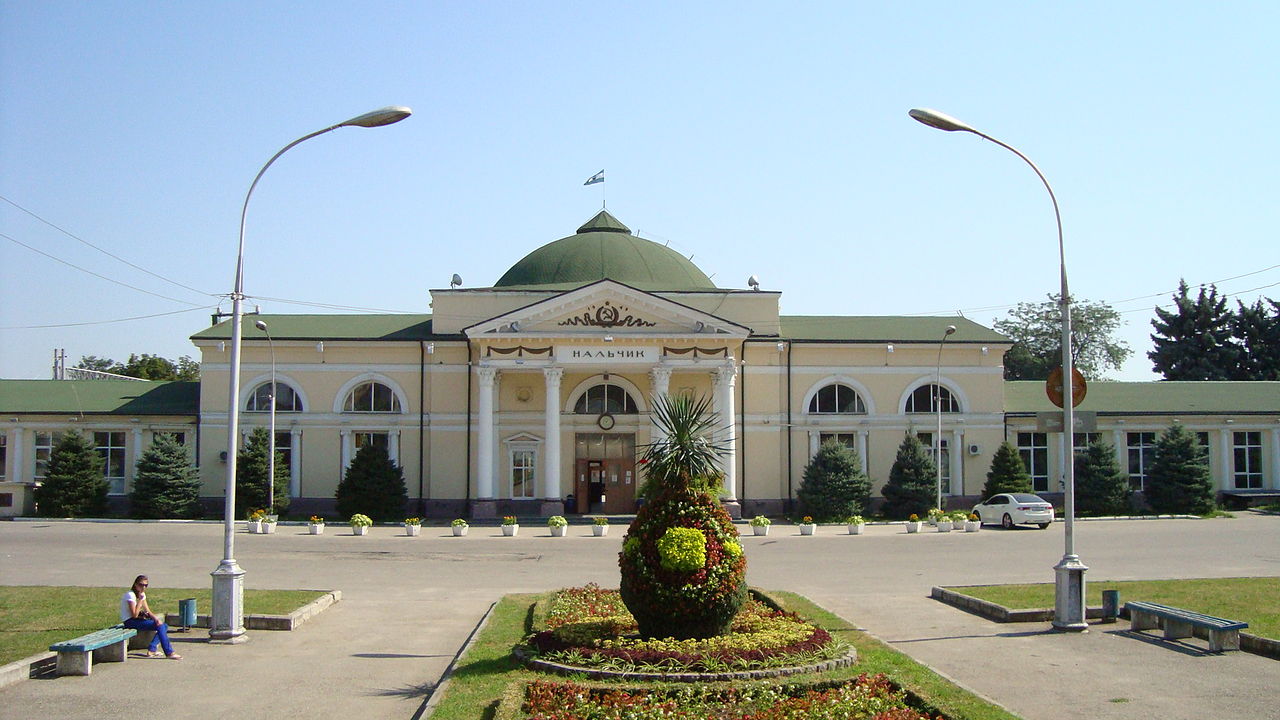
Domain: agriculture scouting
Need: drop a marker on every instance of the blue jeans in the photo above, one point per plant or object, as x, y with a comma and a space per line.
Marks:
161, 630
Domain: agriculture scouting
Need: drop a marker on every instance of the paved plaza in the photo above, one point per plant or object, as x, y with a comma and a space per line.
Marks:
408, 605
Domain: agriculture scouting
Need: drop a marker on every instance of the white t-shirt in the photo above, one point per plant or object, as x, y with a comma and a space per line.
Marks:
129, 597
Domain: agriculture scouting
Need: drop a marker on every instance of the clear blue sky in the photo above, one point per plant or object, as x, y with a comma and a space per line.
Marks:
767, 139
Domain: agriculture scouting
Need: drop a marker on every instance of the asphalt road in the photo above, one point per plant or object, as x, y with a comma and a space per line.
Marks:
410, 603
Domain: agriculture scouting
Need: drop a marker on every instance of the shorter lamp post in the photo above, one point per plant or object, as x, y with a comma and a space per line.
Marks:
937, 404
271, 425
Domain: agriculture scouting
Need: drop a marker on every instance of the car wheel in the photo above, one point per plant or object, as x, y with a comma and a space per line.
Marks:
1006, 522
1043, 525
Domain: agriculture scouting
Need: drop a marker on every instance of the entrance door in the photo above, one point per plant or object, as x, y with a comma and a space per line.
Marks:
605, 479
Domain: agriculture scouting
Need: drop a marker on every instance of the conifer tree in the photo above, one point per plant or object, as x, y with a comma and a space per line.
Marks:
1256, 328
373, 486
1193, 342
1008, 474
74, 482
834, 486
912, 485
251, 476
1102, 488
1179, 480
167, 485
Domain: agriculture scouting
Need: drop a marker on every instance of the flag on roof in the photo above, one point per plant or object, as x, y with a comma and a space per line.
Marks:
597, 178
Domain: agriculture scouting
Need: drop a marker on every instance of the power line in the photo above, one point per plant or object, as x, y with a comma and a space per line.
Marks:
331, 306
106, 322
90, 272
79, 239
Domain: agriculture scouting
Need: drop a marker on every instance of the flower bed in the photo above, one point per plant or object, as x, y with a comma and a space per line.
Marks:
867, 696
589, 627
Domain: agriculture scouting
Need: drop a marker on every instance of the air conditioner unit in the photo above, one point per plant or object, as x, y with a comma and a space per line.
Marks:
975, 449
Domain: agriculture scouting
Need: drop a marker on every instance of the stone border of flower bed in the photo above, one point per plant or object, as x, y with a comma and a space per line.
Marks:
598, 674
1250, 643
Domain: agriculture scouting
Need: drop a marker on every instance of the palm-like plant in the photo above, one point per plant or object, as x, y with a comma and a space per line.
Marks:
689, 449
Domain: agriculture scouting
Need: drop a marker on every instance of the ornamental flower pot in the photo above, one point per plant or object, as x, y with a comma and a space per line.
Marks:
913, 527
807, 528
857, 528
315, 528
944, 526
460, 530
412, 530
558, 530
359, 529
972, 525
760, 529
599, 530
268, 528
253, 526
510, 530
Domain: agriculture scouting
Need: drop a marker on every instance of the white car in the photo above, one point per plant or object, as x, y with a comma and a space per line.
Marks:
1009, 509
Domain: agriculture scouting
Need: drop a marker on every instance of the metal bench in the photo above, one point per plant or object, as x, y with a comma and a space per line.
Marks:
76, 656
1178, 623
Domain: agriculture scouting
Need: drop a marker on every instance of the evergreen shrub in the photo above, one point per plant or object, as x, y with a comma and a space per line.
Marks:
74, 483
1179, 480
834, 485
373, 486
913, 479
1008, 474
1102, 488
251, 476
166, 485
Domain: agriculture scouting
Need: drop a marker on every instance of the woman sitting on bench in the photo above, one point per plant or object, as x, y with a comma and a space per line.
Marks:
134, 613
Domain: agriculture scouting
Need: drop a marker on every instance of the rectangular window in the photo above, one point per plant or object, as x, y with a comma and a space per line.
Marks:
284, 450
1248, 458
523, 473
1141, 446
178, 437
43, 447
110, 447
945, 462
850, 440
1033, 448
377, 439
4, 455
1081, 441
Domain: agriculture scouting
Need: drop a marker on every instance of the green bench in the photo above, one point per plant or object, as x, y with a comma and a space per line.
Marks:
1178, 623
76, 656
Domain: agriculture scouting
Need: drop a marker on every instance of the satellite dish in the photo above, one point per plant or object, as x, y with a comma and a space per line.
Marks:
455, 281
754, 282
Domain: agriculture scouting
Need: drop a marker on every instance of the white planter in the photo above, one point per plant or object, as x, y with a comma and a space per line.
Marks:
510, 530
972, 525
760, 529
315, 529
360, 529
857, 529
558, 530
460, 530
412, 530
913, 527
254, 526
944, 526
268, 528
807, 529
599, 530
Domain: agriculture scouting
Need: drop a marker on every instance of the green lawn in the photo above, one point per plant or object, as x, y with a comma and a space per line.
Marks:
487, 672
1253, 600
34, 617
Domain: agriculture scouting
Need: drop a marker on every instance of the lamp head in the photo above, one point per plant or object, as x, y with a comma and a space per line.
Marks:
941, 121
378, 118
950, 329
260, 325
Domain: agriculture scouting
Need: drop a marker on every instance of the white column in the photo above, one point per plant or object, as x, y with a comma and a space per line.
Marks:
957, 462
815, 440
550, 486
1225, 481
1062, 461
295, 462
131, 470
393, 446
1275, 458
484, 459
16, 472
347, 443
862, 449
724, 382
1119, 441
660, 384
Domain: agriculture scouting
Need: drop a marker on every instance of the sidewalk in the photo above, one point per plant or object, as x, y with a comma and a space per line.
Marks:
409, 604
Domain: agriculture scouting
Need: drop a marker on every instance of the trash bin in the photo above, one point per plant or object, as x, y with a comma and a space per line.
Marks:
187, 613
1110, 605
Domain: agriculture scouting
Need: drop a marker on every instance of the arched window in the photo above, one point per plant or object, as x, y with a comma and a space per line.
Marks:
287, 399
922, 400
837, 399
371, 397
605, 398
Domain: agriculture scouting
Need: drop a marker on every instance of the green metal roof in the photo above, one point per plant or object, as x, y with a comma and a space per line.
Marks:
327, 327
1159, 397
885, 329
99, 397
604, 248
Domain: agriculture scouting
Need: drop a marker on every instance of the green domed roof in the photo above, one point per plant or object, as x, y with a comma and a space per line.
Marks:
605, 248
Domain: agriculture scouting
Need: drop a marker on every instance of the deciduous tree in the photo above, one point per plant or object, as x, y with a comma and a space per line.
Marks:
1036, 331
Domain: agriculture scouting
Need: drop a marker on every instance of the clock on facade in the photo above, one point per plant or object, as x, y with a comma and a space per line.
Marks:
605, 421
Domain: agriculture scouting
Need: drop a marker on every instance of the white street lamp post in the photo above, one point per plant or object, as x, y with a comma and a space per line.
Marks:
1069, 583
227, 620
937, 404
271, 425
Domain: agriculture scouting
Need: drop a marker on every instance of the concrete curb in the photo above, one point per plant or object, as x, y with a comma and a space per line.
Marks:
27, 668
429, 706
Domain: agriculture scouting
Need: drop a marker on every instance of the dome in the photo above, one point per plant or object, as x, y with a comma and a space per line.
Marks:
605, 248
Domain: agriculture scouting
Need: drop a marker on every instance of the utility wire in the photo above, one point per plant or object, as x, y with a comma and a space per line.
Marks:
106, 322
79, 239
331, 306
97, 275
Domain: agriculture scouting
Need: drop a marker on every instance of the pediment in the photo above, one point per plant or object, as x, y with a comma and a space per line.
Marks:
606, 308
